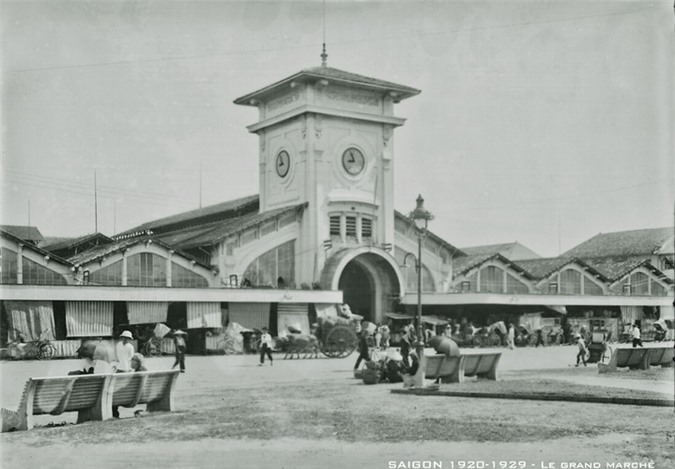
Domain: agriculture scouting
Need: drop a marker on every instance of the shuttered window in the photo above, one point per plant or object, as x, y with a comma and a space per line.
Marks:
335, 225
351, 226
492, 279
9, 266
570, 282
639, 284
366, 227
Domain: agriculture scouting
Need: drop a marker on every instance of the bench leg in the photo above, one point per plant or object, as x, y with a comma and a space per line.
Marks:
457, 375
644, 363
165, 404
492, 374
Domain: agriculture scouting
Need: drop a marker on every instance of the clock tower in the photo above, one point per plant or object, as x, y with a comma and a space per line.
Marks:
326, 140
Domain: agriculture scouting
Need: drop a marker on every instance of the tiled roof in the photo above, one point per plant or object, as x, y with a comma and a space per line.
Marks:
105, 250
213, 233
455, 251
614, 268
33, 247
541, 268
622, 243
64, 243
26, 233
462, 265
337, 75
223, 210
512, 251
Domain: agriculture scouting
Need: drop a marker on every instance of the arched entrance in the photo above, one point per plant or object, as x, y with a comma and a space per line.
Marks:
369, 279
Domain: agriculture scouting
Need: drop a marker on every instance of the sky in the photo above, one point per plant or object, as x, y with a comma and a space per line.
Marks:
539, 122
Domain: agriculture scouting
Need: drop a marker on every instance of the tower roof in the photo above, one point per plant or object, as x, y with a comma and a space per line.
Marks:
398, 92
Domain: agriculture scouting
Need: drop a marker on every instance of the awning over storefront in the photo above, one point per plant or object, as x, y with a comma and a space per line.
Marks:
434, 320
399, 316
30, 319
89, 318
205, 314
147, 312
250, 315
292, 314
557, 308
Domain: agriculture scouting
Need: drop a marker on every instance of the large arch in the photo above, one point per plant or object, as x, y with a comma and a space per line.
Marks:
370, 279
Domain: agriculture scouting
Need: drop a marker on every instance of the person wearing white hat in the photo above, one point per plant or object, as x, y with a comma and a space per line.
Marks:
124, 352
179, 345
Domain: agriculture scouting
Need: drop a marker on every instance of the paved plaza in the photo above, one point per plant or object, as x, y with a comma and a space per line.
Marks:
201, 437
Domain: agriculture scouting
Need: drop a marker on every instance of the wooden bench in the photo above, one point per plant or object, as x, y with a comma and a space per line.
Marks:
455, 369
661, 356
482, 365
634, 358
445, 369
91, 396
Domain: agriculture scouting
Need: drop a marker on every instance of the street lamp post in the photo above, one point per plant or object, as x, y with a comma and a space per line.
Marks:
420, 216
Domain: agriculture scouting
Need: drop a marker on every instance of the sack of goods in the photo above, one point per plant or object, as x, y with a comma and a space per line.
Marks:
368, 326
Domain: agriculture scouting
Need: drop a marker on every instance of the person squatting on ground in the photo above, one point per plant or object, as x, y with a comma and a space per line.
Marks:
635, 334
179, 345
581, 355
265, 347
409, 372
540, 338
124, 351
136, 364
364, 350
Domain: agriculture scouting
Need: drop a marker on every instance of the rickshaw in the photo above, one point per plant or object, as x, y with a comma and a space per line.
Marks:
597, 348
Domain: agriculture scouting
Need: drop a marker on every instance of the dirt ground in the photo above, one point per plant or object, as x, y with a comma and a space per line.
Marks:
312, 413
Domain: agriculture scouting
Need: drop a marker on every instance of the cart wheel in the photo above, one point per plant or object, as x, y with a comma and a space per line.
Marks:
46, 352
340, 342
151, 349
494, 340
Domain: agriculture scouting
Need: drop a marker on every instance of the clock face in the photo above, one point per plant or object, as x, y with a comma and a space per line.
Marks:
283, 163
353, 161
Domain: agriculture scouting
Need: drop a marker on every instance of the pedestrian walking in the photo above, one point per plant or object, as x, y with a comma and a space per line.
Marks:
405, 348
635, 334
581, 355
511, 336
265, 347
364, 350
179, 345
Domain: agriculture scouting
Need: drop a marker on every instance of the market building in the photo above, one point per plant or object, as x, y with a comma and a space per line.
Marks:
322, 230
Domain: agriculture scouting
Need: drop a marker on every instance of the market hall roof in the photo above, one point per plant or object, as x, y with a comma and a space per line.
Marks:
623, 243
66, 247
513, 251
100, 252
200, 216
615, 269
399, 92
462, 265
543, 267
48, 255
27, 233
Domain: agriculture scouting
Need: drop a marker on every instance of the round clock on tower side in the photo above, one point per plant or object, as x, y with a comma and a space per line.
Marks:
283, 163
353, 161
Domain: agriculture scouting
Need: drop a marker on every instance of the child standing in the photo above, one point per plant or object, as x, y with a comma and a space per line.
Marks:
581, 343
635, 333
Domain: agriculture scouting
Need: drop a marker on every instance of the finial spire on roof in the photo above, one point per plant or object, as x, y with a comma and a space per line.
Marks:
324, 56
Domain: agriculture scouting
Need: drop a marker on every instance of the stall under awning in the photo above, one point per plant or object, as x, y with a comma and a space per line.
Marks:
558, 308
89, 318
30, 319
399, 316
147, 312
250, 315
292, 314
434, 320
326, 310
203, 314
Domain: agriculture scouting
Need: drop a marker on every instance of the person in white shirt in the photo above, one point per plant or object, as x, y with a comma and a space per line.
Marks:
124, 352
635, 333
265, 347
511, 336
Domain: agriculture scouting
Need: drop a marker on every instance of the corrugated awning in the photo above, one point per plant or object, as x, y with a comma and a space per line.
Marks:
89, 318
146, 312
399, 316
250, 315
30, 319
292, 314
434, 320
205, 314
